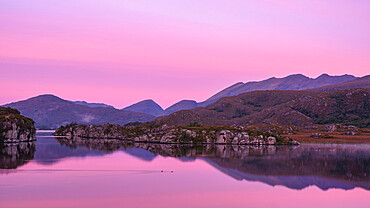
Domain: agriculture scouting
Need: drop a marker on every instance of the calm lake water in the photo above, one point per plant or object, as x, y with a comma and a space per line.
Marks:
55, 172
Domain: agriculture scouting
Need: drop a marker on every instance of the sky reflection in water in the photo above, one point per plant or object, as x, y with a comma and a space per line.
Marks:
60, 173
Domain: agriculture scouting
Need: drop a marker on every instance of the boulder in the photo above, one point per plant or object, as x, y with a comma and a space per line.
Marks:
271, 140
221, 137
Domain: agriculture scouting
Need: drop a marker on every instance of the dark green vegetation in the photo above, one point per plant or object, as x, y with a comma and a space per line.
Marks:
300, 108
49, 111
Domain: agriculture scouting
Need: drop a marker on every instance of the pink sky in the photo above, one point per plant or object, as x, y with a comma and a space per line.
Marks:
120, 52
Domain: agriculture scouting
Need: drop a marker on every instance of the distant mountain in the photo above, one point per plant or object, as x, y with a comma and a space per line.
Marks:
93, 105
49, 111
182, 105
291, 82
146, 106
287, 107
362, 82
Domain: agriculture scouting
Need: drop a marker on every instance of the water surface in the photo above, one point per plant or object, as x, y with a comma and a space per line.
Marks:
55, 172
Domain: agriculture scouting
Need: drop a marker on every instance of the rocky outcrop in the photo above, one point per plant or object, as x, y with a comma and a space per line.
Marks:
237, 135
15, 127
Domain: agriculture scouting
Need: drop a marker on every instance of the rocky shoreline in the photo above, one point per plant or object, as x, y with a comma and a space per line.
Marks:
165, 134
14, 127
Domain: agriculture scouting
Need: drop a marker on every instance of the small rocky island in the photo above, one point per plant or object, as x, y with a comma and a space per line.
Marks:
14, 127
166, 134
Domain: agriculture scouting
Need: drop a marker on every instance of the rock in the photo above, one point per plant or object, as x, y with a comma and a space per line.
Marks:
14, 127
330, 128
294, 142
253, 141
315, 135
221, 137
271, 140
171, 134
350, 133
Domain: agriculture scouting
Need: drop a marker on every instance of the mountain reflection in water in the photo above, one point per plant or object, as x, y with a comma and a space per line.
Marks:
325, 166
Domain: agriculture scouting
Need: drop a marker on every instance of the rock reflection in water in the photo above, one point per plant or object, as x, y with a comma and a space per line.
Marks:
326, 166
13, 155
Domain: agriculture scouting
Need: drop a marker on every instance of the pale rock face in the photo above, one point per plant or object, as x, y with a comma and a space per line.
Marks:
330, 128
235, 140
144, 138
245, 136
221, 137
14, 133
261, 142
253, 141
294, 142
271, 140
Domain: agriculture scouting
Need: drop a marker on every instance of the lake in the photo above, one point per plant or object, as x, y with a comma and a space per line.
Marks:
56, 172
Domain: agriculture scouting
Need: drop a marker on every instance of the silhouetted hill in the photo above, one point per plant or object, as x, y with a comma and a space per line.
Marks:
49, 111
146, 106
182, 105
350, 106
362, 82
291, 82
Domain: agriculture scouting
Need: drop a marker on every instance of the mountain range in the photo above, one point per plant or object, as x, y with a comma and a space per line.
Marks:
287, 107
292, 82
50, 111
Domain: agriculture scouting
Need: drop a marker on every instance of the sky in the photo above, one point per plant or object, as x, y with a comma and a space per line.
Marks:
120, 52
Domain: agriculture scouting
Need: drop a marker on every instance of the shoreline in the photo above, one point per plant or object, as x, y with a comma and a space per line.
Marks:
304, 138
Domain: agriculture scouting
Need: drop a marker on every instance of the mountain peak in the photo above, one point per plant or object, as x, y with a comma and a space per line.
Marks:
295, 76
47, 96
181, 105
146, 106
323, 75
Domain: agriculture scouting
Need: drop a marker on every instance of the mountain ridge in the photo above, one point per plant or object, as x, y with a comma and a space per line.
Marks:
50, 111
285, 107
